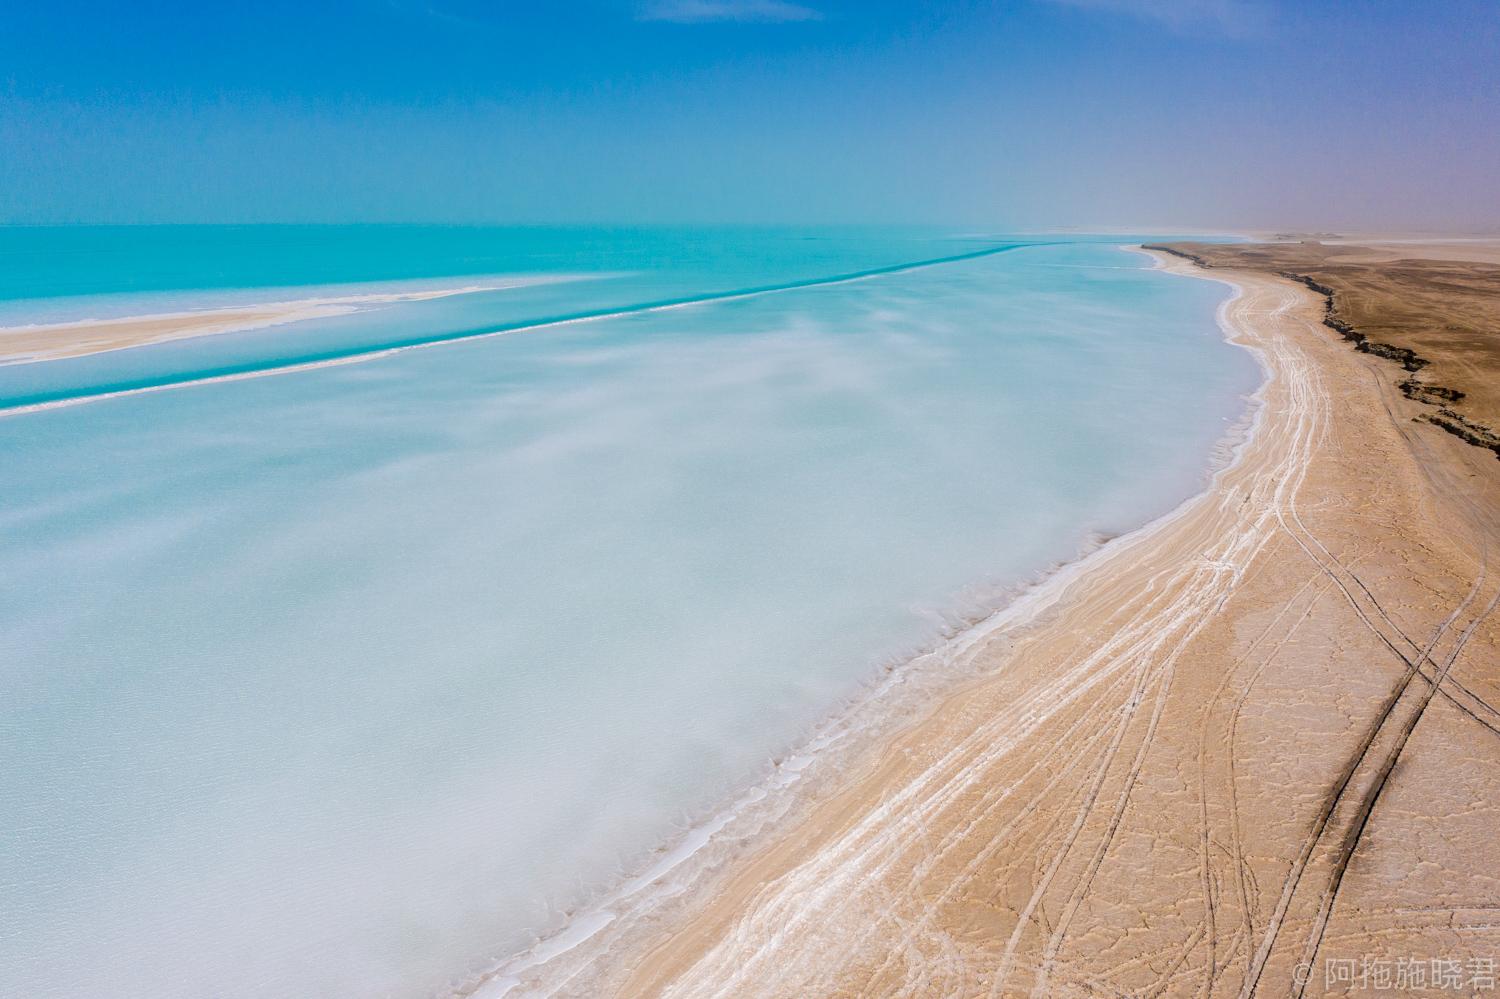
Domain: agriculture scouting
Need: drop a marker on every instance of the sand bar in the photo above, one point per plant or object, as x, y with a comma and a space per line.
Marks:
53, 341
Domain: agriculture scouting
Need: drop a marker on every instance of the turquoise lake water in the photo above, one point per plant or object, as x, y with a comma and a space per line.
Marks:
345, 681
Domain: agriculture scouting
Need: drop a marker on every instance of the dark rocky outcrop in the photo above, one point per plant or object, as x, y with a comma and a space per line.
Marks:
1432, 395
1178, 253
1439, 396
1463, 429
1403, 356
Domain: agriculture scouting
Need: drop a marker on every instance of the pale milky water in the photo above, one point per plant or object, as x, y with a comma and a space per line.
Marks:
346, 682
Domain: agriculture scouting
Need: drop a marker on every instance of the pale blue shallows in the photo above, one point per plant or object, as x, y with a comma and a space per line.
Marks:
339, 683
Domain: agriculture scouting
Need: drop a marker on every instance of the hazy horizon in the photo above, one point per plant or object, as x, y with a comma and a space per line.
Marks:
1098, 114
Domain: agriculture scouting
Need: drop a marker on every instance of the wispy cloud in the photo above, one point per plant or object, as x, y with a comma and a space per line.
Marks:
704, 11
1228, 17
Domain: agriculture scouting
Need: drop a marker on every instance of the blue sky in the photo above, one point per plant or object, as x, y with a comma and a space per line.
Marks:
986, 112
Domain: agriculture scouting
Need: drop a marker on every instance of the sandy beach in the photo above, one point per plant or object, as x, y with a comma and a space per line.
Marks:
1250, 749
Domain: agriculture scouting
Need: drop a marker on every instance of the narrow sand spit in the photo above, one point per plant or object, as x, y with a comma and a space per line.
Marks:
52, 341
1260, 736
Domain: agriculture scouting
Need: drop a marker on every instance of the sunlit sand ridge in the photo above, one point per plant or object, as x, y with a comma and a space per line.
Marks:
52, 341
1160, 783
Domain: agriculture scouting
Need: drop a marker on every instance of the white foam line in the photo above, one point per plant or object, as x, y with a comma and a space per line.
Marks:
373, 355
39, 407
604, 911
